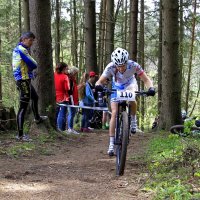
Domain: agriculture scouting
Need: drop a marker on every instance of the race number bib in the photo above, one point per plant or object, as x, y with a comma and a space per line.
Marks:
125, 95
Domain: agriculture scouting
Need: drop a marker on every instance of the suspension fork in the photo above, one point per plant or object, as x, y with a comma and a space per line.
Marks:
117, 126
129, 116
129, 120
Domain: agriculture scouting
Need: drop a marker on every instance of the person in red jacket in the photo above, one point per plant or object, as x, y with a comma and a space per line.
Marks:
62, 87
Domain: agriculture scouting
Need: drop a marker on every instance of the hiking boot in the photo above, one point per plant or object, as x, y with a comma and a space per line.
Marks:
72, 131
111, 150
24, 138
40, 120
133, 126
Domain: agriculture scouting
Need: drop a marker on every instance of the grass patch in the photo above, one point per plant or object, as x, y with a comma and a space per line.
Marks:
23, 149
41, 144
173, 163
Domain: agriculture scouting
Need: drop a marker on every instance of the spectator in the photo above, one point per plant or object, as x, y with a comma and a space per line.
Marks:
87, 99
91, 82
72, 73
105, 116
81, 86
62, 87
23, 65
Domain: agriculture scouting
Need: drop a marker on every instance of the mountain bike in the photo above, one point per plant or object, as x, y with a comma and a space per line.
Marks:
122, 129
185, 130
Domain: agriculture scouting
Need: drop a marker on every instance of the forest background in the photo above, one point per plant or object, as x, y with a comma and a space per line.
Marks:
162, 36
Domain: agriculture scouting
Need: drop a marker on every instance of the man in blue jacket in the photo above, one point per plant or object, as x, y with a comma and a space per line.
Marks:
23, 65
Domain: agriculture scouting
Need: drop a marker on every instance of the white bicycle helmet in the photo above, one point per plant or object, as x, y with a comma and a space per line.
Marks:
119, 56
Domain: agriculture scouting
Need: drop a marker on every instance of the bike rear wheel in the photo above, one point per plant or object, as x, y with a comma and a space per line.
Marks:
179, 130
121, 149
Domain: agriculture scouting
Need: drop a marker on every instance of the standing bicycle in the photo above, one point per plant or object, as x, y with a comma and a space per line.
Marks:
122, 71
191, 127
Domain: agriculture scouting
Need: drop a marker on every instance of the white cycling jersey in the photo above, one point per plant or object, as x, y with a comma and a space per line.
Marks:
122, 80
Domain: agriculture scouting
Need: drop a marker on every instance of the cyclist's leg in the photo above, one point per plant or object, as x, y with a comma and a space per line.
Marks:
114, 108
133, 107
133, 87
133, 116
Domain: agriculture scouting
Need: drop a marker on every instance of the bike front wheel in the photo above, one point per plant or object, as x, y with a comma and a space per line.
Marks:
121, 148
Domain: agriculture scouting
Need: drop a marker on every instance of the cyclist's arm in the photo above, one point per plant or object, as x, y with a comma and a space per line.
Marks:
148, 83
102, 80
107, 73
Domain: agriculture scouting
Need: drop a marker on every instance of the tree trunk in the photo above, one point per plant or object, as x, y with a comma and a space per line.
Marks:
90, 36
196, 100
0, 80
181, 42
101, 36
81, 47
171, 79
133, 29
125, 27
57, 25
110, 26
26, 15
141, 59
40, 21
20, 18
160, 59
191, 57
75, 33
74, 45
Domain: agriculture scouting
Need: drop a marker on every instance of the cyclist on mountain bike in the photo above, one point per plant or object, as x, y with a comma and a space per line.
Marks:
122, 70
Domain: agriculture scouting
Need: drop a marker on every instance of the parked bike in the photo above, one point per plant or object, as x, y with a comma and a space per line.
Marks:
191, 127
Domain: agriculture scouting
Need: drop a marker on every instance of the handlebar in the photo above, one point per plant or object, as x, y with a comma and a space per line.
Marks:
111, 91
141, 93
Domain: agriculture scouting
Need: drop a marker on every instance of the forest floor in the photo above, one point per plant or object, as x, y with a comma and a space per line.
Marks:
71, 167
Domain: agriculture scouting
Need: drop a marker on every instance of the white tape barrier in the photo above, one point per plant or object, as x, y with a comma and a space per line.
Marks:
85, 107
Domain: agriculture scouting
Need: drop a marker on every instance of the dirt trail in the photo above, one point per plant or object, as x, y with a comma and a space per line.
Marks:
77, 168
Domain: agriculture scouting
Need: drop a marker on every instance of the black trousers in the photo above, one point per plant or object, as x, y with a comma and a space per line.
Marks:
26, 92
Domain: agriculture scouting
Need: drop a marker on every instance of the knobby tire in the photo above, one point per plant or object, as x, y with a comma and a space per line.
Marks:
179, 130
121, 149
